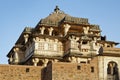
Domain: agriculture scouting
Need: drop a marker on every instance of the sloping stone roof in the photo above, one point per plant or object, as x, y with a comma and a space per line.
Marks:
58, 16
53, 19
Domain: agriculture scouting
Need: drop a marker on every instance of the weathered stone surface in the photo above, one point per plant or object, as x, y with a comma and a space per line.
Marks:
17, 72
67, 48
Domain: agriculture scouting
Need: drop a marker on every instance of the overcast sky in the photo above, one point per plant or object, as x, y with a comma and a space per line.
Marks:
15, 15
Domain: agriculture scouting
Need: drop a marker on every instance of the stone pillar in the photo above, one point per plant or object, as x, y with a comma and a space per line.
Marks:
42, 30
26, 36
50, 30
101, 68
66, 29
35, 61
85, 30
105, 69
16, 57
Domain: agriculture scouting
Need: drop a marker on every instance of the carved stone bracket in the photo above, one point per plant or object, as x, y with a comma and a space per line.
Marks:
50, 30
66, 29
26, 36
42, 30
35, 61
85, 30
15, 57
45, 61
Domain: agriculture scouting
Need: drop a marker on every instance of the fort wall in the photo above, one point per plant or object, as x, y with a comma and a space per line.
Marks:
53, 71
17, 72
74, 71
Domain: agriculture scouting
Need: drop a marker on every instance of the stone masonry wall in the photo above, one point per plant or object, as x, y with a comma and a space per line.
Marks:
15, 72
74, 71
53, 71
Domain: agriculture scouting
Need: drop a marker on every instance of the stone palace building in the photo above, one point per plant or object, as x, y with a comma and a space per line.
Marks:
63, 47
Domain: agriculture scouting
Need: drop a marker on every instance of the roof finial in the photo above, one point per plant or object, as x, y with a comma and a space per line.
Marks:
56, 9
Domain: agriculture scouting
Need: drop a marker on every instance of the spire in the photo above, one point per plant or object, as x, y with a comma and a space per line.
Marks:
56, 9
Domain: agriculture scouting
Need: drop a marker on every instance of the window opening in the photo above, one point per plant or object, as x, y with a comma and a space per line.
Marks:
78, 67
84, 42
83, 62
27, 70
92, 69
112, 71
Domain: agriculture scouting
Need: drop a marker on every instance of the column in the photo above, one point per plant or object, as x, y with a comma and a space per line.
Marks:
35, 61
85, 30
66, 29
42, 30
50, 30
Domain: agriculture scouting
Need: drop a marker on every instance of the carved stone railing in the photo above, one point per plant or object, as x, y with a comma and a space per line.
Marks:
48, 53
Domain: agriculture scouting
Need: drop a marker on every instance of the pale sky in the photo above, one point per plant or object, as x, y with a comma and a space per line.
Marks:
15, 15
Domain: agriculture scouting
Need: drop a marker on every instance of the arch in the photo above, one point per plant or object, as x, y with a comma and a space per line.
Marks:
40, 63
112, 71
46, 31
55, 33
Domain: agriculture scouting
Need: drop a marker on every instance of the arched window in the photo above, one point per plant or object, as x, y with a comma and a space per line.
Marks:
112, 71
40, 63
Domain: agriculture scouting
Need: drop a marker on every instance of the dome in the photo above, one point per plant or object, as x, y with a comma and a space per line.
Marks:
57, 16
54, 19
